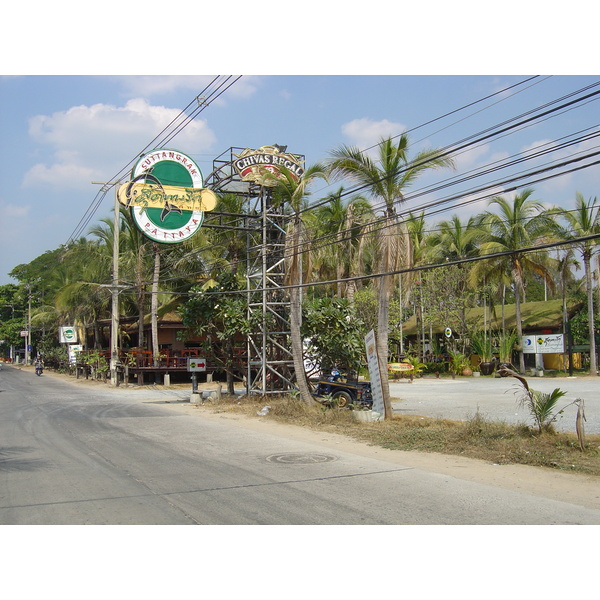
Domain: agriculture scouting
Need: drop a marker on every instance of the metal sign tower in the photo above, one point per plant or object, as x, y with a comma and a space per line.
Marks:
270, 367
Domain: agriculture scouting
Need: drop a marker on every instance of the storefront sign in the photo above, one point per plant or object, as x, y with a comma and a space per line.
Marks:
543, 344
166, 197
266, 165
67, 335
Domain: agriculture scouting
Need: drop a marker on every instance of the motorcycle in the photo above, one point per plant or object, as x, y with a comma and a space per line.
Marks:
39, 369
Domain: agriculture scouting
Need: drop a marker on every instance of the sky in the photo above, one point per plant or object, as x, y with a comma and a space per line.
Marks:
78, 104
61, 133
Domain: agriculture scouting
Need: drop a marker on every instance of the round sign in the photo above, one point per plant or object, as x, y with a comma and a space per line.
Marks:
168, 224
448, 332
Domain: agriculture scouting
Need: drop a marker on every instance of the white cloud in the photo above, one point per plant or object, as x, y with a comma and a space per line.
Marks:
470, 157
96, 142
365, 133
152, 85
12, 210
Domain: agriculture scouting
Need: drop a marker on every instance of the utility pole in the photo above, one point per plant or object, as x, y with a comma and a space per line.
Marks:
114, 290
114, 328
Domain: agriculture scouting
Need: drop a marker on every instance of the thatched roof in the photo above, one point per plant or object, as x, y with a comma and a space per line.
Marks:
534, 315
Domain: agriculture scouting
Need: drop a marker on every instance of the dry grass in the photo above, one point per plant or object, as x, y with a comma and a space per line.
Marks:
478, 438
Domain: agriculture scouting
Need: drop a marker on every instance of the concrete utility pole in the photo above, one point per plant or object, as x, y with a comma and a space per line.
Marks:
114, 327
114, 289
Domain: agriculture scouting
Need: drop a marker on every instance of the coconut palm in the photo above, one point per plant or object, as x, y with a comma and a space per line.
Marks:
582, 222
386, 178
339, 243
293, 193
520, 223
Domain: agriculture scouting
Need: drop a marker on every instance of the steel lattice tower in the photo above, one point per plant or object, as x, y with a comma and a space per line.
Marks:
270, 367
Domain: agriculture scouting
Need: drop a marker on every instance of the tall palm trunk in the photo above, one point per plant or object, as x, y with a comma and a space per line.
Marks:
295, 279
140, 295
383, 311
518, 288
154, 306
590, 308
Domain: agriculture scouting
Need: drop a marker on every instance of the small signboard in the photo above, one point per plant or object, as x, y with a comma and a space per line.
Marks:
543, 344
196, 364
67, 335
400, 367
374, 373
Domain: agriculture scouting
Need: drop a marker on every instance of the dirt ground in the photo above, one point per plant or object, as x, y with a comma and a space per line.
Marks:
566, 487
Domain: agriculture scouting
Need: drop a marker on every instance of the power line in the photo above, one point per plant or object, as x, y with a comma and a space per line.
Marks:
413, 269
177, 124
510, 125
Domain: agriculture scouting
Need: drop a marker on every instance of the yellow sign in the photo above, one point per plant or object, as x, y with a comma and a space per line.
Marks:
400, 367
148, 195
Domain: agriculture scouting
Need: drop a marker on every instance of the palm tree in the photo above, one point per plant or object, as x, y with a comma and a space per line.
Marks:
520, 224
339, 239
386, 178
294, 192
582, 222
455, 241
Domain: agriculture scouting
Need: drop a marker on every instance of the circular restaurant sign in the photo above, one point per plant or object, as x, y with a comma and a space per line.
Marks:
169, 223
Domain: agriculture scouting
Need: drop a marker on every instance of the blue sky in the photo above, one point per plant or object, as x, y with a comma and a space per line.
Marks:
60, 133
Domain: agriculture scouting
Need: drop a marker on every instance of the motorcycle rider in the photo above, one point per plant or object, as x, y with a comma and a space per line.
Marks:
39, 366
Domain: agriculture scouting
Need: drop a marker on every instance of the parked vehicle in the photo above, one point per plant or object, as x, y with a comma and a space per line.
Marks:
343, 391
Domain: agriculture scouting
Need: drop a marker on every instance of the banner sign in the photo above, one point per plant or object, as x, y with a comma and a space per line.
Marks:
266, 165
67, 335
374, 373
166, 197
543, 344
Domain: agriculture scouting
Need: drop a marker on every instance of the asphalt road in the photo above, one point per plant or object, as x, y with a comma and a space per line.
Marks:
74, 455
495, 399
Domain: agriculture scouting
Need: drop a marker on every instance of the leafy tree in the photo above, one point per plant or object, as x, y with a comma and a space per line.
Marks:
218, 314
335, 333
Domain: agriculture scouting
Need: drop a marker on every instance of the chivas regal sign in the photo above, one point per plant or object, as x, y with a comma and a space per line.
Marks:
166, 197
267, 164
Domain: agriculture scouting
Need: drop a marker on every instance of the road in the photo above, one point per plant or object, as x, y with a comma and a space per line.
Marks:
76, 455
495, 399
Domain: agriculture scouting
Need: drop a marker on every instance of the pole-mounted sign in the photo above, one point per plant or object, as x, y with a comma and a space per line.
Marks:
196, 364
166, 197
67, 335
267, 165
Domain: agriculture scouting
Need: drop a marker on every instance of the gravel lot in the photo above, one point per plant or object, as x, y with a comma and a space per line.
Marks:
495, 399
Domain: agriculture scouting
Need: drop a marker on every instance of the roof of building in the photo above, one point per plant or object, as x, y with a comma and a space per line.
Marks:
546, 314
